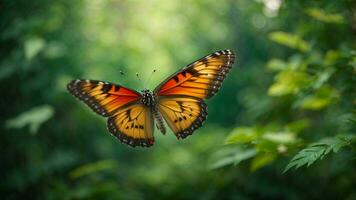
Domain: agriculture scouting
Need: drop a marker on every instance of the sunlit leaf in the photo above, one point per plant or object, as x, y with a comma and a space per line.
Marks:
289, 82
34, 118
33, 46
289, 40
93, 168
242, 135
280, 137
322, 78
276, 64
321, 99
322, 16
332, 56
295, 62
262, 160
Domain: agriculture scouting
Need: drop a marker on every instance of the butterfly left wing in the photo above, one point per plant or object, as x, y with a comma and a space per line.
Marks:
133, 125
129, 120
102, 97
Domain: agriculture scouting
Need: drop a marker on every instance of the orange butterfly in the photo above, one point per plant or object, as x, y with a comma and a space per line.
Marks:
179, 100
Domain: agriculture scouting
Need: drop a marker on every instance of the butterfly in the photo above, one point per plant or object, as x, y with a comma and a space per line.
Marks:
178, 100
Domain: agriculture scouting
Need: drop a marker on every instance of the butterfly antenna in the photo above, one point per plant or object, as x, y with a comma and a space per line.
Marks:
149, 78
138, 76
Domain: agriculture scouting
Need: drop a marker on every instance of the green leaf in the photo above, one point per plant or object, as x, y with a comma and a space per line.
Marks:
280, 137
242, 135
332, 56
307, 156
261, 161
318, 150
321, 99
34, 118
322, 16
289, 40
343, 140
289, 82
276, 64
322, 78
33, 46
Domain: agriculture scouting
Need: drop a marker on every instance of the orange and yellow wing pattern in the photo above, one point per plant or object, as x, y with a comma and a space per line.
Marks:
129, 120
181, 96
133, 125
183, 114
102, 97
200, 79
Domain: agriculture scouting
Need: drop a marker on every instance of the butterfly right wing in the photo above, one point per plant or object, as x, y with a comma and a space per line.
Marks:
201, 79
133, 125
102, 97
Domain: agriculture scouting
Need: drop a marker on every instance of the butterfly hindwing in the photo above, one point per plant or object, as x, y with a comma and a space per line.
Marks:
102, 97
183, 114
133, 125
200, 79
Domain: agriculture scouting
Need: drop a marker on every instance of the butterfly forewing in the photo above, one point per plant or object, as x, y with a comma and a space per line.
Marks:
102, 97
200, 79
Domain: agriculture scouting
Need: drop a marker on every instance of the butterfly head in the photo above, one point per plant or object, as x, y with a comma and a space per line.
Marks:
147, 98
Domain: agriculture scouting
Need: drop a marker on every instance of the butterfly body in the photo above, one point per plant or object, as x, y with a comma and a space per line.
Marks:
148, 99
179, 101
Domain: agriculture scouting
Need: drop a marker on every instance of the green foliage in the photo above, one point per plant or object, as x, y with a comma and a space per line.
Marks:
289, 40
322, 98
322, 16
316, 77
289, 82
33, 46
264, 144
276, 64
319, 150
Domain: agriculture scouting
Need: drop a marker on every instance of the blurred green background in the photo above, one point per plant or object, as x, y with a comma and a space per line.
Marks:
282, 126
